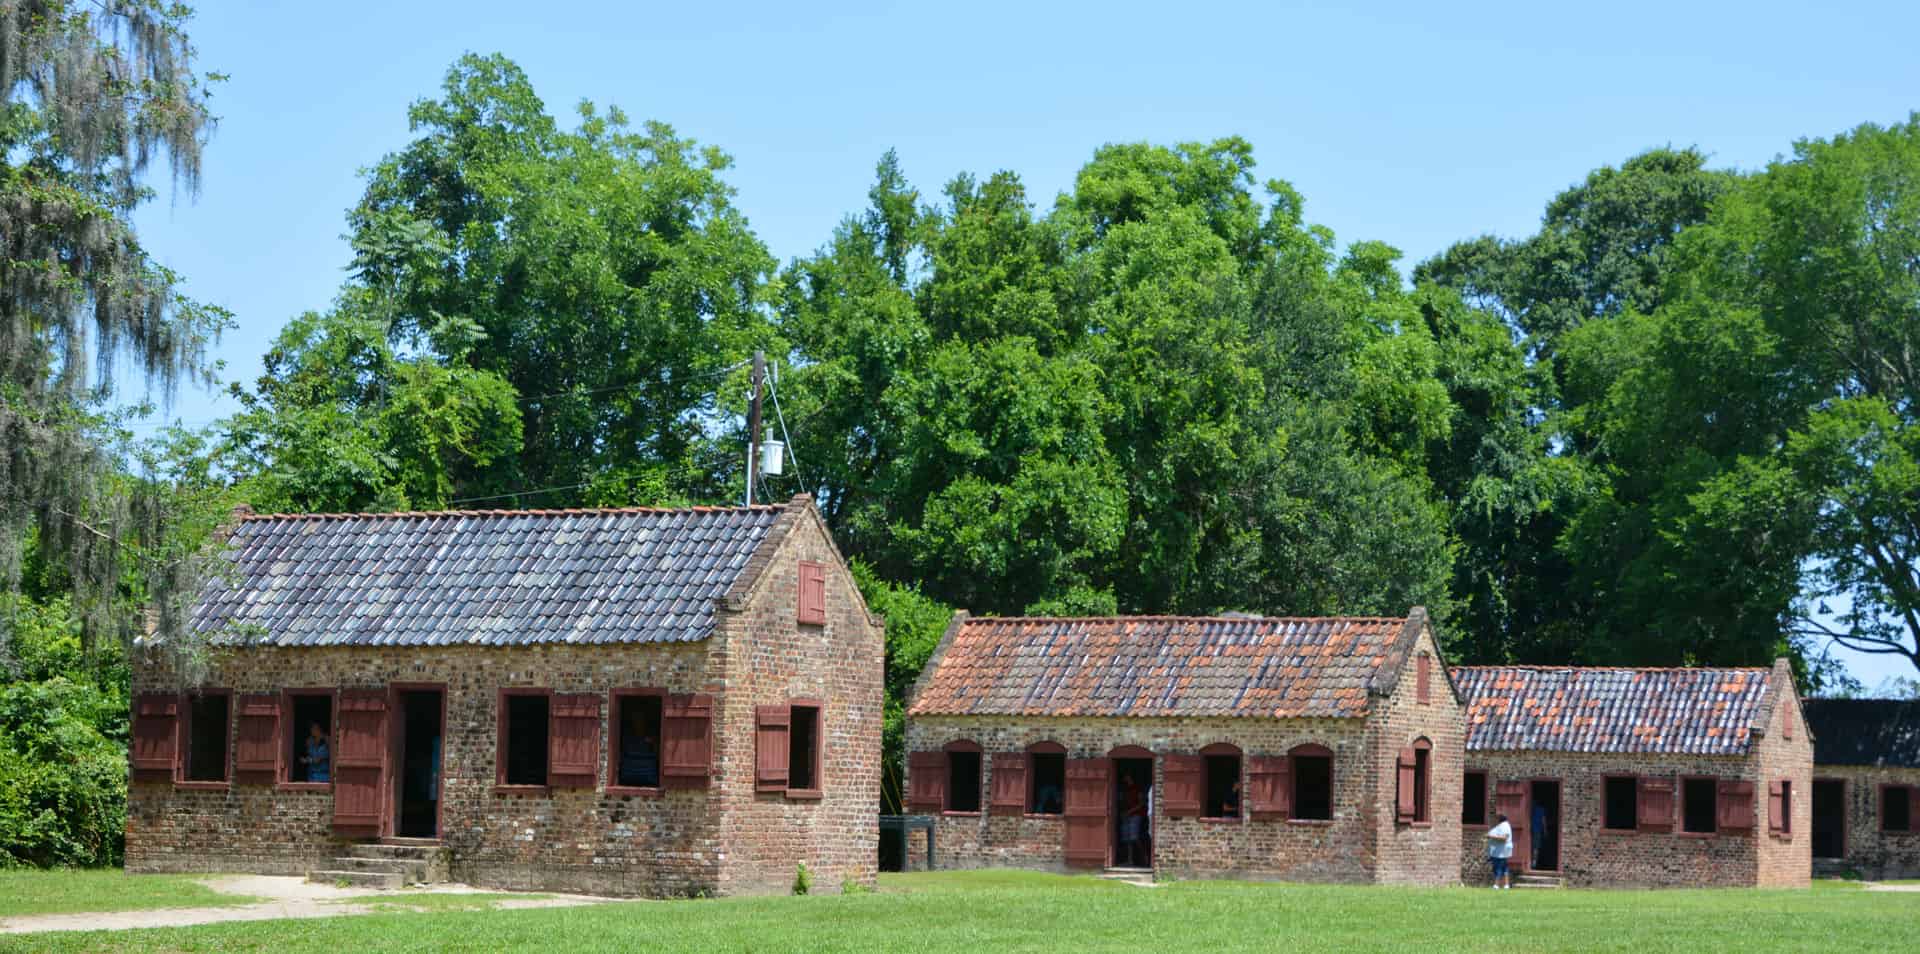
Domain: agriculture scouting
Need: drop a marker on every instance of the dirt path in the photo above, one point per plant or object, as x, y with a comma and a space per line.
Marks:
283, 897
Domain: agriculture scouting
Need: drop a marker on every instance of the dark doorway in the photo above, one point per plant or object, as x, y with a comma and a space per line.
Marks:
1132, 813
1543, 824
1829, 818
417, 810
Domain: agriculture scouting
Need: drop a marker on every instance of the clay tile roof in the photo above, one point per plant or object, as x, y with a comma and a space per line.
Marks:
1881, 732
1594, 709
1158, 666
494, 577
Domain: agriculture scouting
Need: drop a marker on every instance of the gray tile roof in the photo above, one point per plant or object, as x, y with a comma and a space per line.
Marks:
497, 577
1593, 709
1158, 666
1881, 732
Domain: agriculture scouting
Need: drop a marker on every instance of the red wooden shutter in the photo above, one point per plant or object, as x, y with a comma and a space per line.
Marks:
1269, 787
156, 735
813, 593
1735, 804
256, 746
687, 741
773, 728
1510, 799
1777, 807
1423, 685
1786, 720
926, 781
360, 762
1089, 799
1009, 784
573, 741
1408, 765
1186, 777
1656, 804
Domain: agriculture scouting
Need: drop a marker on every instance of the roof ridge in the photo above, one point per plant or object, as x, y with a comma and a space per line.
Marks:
1544, 668
531, 512
1179, 618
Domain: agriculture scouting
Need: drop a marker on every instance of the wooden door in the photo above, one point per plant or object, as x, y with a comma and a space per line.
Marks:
1088, 822
361, 754
1510, 799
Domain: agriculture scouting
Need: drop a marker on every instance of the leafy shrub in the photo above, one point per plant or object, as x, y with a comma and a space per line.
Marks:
63, 782
802, 879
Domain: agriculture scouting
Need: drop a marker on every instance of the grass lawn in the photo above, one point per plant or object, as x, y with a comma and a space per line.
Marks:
72, 892
983, 912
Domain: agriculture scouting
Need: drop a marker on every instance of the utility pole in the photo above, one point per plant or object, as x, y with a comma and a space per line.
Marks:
753, 422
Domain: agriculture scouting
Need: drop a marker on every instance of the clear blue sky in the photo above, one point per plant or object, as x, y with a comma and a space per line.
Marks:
1412, 123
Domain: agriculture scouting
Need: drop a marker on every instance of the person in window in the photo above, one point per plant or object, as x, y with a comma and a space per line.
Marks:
1499, 850
1230, 806
1047, 799
1133, 825
317, 760
1539, 833
639, 758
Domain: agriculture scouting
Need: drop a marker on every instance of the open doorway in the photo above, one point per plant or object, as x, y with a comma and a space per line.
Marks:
1829, 818
1543, 824
1133, 813
417, 807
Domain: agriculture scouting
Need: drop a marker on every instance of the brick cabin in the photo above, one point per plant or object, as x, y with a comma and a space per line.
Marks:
1866, 786
629, 702
1344, 735
1649, 777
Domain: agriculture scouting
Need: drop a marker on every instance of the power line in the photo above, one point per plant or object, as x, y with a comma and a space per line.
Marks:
519, 493
773, 388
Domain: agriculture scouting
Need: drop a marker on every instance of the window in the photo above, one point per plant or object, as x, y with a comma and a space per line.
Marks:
1699, 804
1312, 769
812, 609
1047, 779
1896, 807
309, 732
1620, 810
637, 714
803, 750
207, 724
1411, 788
1222, 798
523, 737
963, 777
1473, 799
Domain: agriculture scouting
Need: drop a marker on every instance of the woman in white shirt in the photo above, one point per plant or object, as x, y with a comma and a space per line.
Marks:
1499, 849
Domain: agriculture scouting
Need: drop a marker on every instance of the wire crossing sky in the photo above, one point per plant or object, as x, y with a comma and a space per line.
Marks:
1413, 124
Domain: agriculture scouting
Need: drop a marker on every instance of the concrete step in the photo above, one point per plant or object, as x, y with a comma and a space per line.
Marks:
358, 879
413, 871
1536, 881
1141, 876
402, 852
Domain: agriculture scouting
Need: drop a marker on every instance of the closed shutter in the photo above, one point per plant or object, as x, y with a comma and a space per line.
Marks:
1406, 804
156, 735
1787, 720
1088, 803
1269, 787
1735, 804
1777, 808
1423, 686
573, 741
360, 762
1510, 799
687, 735
256, 744
1656, 804
813, 593
1009, 784
1185, 784
772, 731
926, 781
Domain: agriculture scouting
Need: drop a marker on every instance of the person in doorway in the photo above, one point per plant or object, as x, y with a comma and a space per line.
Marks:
1133, 824
1499, 851
317, 760
1539, 833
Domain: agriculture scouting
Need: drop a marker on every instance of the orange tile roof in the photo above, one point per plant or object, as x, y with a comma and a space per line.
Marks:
1660, 711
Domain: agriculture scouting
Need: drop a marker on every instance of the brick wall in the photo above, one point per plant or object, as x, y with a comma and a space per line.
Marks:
1875, 854
1420, 853
1784, 753
725, 839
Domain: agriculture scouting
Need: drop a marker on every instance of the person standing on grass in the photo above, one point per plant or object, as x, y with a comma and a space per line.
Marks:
1499, 850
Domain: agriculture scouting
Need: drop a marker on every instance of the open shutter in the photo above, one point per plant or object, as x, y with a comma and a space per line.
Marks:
1009, 784
687, 741
926, 781
813, 593
1088, 803
1186, 777
1734, 808
573, 741
1777, 808
1423, 685
1269, 787
772, 730
360, 762
1510, 799
1656, 804
256, 745
156, 734
1407, 766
